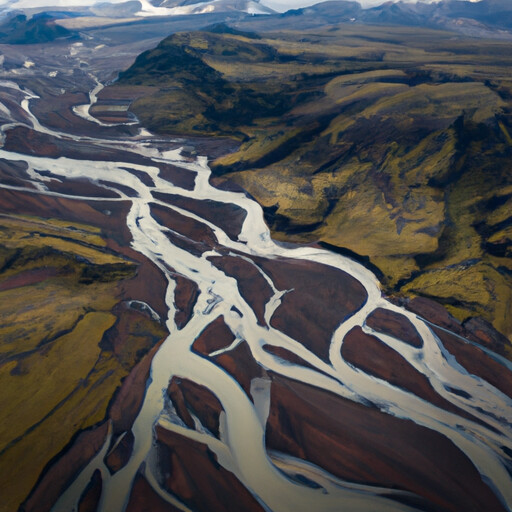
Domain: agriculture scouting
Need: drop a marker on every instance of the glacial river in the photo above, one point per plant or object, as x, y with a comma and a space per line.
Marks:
241, 447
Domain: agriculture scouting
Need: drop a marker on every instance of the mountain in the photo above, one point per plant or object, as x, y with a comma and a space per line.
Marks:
495, 14
42, 28
161, 352
388, 144
140, 8
485, 18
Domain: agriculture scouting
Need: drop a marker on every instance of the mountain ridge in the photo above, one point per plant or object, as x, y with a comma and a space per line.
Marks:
485, 18
373, 147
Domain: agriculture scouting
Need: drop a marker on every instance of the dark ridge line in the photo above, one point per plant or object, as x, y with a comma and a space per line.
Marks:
363, 260
79, 432
44, 342
81, 383
450, 301
493, 355
104, 250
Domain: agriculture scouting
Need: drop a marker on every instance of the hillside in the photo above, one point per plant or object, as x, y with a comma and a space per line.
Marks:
391, 143
17, 29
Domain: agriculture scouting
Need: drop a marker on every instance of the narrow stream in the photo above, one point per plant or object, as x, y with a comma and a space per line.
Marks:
241, 448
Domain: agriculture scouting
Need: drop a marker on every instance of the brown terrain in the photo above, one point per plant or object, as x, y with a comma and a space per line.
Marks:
83, 375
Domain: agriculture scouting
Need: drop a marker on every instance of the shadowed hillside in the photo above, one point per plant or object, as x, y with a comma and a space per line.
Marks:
390, 142
41, 28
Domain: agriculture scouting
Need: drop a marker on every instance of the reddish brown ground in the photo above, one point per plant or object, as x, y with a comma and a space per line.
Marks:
13, 174
56, 113
434, 313
240, 364
177, 176
128, 401
215, 337
58, 477
477, 362
108, 215
252, 286
24, 140
320, 298
228, 217
474, 359
120, 454
188, 396
394, 324
122, 413
27, 141
130, 322
481, 331
144, 499
192, 229
196, 478
361, 444
14, 105
287, 355
82, 187
148, 286
29, 277
90, 498
375, 358
185, 297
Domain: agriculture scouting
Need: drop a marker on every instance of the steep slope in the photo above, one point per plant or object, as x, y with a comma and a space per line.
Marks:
391, 143
39, 29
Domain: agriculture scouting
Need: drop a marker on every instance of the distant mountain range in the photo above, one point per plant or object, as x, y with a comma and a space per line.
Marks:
484, 18
488, 18
17, 29
389, 142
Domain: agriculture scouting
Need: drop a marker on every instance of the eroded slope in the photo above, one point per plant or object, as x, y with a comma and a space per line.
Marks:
389, 142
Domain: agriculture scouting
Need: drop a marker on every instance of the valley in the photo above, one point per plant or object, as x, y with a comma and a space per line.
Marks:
261, 270
389, 145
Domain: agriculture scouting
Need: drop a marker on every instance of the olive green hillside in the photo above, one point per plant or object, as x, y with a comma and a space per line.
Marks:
60, 305
394, 143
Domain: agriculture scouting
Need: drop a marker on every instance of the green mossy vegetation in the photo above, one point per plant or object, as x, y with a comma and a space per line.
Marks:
57, 374
392, 142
